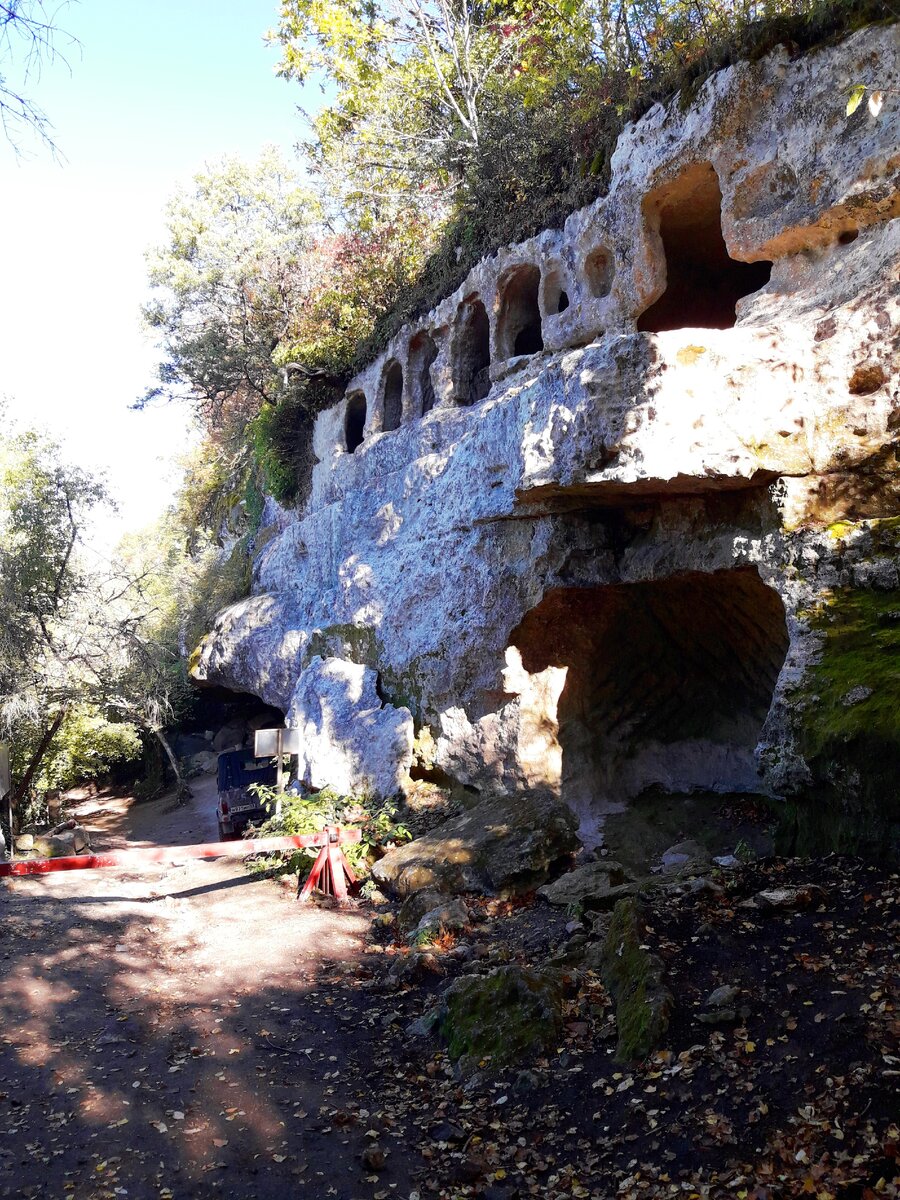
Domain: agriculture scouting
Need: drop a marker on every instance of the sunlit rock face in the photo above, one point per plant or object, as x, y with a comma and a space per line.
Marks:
576, 521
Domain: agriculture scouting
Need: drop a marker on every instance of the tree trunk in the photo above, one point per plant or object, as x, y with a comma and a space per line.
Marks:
19, 793
183, 792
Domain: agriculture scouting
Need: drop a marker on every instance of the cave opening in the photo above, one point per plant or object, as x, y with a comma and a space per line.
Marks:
422, 356
519, 324
703, 283
471, 352
393, 397
556, 298
668, 684
355, 421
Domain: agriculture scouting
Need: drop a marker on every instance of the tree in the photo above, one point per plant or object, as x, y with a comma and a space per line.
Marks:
29, 40
90, 651
227, 282
413, 81
260, 310
49, 635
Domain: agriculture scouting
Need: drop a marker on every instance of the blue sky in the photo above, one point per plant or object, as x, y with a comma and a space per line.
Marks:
155, 90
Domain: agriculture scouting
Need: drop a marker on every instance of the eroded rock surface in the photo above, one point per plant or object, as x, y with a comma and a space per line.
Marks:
627, 541
502, 847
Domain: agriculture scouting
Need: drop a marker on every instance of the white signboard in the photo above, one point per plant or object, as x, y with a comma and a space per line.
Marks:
269, 742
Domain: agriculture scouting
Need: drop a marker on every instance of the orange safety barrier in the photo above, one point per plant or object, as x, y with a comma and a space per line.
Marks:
328, 839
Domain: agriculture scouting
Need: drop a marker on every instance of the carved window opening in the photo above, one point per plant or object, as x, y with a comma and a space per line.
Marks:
393, 398
668, 685
355, 421
556, 298
519, 324
471, 352
422, 355
598, 272
703, 284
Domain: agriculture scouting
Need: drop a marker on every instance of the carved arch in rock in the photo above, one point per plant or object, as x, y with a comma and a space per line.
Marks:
471, 352
355, 421
392, 397
703, 283
555, 289
423, 353
519, 320
667, 684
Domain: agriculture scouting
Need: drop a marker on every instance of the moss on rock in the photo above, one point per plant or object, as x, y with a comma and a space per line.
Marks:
848, 728
356, 643
531, 1006
634, 978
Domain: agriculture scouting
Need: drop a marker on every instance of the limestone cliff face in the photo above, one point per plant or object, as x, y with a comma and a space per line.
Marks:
606, 518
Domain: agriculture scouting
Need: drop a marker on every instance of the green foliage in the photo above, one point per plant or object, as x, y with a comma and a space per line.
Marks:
281, 437
311, 814
87, 746
227, 281
89, 651
413, 81
43, 504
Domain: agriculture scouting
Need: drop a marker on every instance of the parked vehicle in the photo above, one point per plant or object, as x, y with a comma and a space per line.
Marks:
237, 806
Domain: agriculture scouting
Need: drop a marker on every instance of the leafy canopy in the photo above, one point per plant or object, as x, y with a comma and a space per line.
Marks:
228, 280
414, 81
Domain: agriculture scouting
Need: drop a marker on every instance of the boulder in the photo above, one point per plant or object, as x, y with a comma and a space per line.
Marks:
60, 845
585, 884
416, 905
720, 1006
634, 978
203, 763
502, 847
448, 918
685, 858
531, 1005
344, 724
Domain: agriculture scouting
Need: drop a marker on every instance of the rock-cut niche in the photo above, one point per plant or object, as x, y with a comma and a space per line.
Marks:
422, 355
519, 323
393, 397
471, 352
667, 684
703, 283
355, 421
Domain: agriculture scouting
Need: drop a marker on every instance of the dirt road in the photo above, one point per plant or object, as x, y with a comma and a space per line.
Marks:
174, 1031
192, 1032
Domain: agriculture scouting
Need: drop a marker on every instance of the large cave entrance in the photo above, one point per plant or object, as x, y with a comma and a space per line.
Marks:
703, 283
667, 684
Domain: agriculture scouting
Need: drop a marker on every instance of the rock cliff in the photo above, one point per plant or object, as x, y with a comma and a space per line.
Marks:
622, 512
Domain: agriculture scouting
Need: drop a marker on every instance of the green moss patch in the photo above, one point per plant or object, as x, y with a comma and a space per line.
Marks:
634, 978
531, 1006
357, 643
848, 719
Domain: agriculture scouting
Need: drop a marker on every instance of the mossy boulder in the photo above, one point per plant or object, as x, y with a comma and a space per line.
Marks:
502, 847
498, 1020
634, 978
847, 721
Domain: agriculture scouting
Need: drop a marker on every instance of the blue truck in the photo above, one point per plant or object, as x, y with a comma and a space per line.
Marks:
237, 806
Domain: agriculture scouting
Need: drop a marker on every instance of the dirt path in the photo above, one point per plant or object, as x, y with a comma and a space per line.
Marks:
191, 1032
141, 1016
